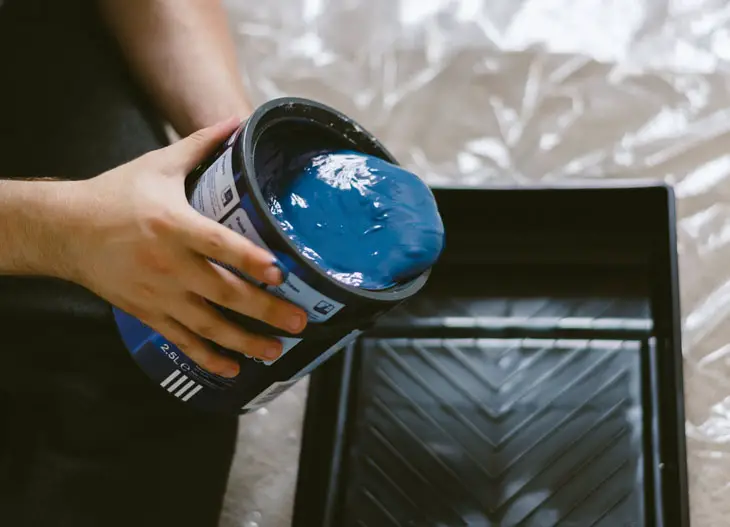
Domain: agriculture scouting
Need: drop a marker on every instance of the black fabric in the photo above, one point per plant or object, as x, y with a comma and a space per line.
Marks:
85, 438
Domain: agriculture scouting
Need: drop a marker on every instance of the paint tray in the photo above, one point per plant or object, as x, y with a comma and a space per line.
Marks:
536, 382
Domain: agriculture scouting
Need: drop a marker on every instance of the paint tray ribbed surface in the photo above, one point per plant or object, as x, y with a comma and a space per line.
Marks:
502, 431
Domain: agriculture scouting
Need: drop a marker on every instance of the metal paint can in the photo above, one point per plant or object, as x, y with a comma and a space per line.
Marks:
229, 188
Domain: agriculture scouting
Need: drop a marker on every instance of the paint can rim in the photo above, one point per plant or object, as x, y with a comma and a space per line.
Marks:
299, 109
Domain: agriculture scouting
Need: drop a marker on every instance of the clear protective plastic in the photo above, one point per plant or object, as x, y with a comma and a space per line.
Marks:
478, 92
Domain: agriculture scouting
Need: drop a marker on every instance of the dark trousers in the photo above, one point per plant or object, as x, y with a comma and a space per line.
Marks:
85, 438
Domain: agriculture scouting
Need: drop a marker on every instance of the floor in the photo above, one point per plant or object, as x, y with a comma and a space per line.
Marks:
261, 488
470, 92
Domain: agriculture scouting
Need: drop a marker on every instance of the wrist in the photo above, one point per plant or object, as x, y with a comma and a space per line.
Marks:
68, 205
39, 220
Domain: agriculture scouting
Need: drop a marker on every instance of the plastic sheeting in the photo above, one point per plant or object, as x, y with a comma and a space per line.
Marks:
473, 92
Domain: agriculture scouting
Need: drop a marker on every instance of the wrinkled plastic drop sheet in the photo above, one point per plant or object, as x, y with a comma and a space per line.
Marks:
475, 92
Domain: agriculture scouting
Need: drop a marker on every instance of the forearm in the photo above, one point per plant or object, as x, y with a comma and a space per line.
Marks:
183, 53
36, 219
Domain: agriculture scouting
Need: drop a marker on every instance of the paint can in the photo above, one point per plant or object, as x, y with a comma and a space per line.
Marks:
228, 188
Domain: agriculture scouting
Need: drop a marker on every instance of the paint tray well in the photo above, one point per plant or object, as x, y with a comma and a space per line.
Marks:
535, 382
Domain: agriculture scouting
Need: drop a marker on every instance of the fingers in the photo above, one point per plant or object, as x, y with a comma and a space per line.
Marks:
202, 319
222, 287
218, 242
194, 348
190, 151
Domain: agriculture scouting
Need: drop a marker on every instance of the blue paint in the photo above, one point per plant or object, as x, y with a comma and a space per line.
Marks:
366, 222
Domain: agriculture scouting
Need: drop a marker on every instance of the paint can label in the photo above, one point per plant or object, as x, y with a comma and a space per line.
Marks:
215, 196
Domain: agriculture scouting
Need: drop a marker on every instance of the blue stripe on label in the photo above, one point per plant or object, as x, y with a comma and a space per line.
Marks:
133, 332
158, 356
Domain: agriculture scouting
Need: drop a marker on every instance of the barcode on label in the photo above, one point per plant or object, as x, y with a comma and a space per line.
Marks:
269, 394
181, 386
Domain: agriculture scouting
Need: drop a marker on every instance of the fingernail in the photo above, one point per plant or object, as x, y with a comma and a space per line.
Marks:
297, 322
281, 267
229, 371
273, 275
272, 352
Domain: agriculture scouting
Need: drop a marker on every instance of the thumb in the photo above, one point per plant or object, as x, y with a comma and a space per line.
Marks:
190, 151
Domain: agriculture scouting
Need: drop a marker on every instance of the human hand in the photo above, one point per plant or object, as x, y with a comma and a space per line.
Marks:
141, 246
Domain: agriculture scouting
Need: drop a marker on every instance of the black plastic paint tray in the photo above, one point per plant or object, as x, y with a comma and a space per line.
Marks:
536, 382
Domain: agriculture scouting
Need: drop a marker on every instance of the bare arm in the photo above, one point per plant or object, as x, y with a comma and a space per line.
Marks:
35, 217
183, 53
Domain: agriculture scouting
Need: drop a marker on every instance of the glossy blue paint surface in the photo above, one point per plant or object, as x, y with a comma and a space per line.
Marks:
366, 222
